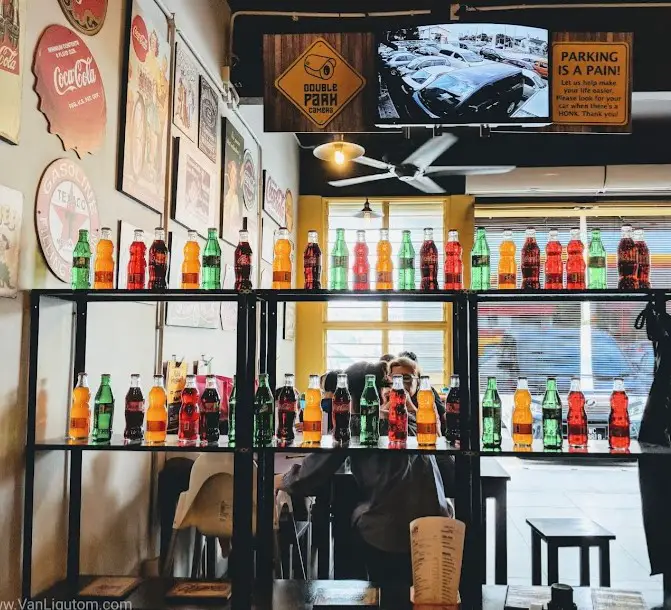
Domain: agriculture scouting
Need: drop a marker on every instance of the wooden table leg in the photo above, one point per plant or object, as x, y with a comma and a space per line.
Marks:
553, 564
604, 564
584, 566
535, 558
501, 549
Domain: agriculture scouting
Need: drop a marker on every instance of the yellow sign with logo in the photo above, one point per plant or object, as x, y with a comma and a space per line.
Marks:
320, 83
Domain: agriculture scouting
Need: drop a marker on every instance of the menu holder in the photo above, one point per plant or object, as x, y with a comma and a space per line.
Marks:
612, 599
437, 545
521, 598
189, 590
346, 594
110, 587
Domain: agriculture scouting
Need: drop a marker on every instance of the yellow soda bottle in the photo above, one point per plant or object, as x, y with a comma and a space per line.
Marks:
156, 417
522, 418
427, 426
384, 269
507, 264
312, 414
80, 411
104, 266
282, 260
191, 264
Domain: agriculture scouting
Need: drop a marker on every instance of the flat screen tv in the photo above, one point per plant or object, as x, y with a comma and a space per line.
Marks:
463, 73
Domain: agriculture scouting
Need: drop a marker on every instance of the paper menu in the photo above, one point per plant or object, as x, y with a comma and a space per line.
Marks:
605, 599
437, 545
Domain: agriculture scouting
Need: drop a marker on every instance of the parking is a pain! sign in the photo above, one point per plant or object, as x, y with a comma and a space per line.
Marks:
320, 83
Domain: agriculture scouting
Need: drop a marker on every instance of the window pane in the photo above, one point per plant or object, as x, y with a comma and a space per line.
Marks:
345, 347
428, 345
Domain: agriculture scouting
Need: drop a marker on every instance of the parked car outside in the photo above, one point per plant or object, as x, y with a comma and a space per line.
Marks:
401, 59
526, 64
532, 83
492, 54
427, 50
420, 63
541, 67
418, 80
469, 58
537, 106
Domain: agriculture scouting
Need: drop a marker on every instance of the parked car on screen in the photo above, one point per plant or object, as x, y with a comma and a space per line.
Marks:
537, 106
420, 63
532, 83
492, 54
398, 60
526, 64
541, 66
415, 81
468, 58
427, 51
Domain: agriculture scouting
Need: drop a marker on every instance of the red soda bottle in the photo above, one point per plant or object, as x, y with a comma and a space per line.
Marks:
428, 262
137, 265
158, 261
531, 262
189, 413
575, 265
554, 266
576, 418
243, 261
312, 263
643, 259
134, 411
454, 266
618, 422
398, 414
287, 406
627, 260
210, 411
341, 412
361, 269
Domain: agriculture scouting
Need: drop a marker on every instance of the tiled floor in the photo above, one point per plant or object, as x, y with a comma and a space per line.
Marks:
607, 494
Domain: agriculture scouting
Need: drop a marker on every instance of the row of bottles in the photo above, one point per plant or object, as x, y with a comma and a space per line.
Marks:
551, 407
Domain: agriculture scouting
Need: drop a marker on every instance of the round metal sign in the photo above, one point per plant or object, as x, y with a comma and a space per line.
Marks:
87, 16
249, 181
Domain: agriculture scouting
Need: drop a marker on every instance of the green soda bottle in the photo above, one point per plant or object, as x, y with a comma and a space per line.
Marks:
552, 416
211, 269
596, 262
232, 400
81, 262
339, 262
406, 264
369, 407
264, 413
480, 261
103, 412
491, 416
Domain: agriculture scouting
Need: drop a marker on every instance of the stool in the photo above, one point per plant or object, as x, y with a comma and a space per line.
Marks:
580, 533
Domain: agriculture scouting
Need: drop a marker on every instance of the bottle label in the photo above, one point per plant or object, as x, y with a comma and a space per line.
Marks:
80, 262
104, 420
430, 428
104, 277
361, 278
244, 260
340, 261
79, 423
312, 261
384, 277
186, 427
312, 426
341, 407
507, 279
212, 261
524, 429
190, 278
283, 277
597, 262
453, 281
575, 278
136, 279
480, 260
452, 407
406, 263
156, 425
210, 407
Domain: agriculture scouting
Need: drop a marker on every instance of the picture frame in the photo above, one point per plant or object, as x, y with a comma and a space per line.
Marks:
11, 75
268, 228
233, 147
11, 214
186, 97
209, 119
289, 327
274, 199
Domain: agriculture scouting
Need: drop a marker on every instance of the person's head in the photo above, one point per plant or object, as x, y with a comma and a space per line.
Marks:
410, 371
387, 358
329, 382
356, 378
411, 355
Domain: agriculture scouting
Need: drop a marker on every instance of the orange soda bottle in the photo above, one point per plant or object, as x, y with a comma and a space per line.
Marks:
80, 411
522, 418
507, 264
191, 264
312, 414
427, 427
282, 260
384, 268
104, 265
156, 417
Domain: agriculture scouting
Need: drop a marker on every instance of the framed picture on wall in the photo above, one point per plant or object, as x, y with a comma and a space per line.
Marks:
145, 114
274, 200
14, 60
268, 228
233, 156
11, 213
208, 121
187, 80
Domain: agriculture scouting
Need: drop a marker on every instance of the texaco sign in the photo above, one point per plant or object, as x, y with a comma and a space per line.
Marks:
87, 16
66, 203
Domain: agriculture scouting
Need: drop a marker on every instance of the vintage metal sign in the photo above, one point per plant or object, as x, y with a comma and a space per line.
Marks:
12, 33
208, 121
11, 212
249, 182
87, 16
274, 201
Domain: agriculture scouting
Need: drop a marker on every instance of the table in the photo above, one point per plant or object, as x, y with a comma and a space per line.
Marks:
494, 480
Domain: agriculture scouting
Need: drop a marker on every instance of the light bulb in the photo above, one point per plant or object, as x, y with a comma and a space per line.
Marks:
367, 216
339, 157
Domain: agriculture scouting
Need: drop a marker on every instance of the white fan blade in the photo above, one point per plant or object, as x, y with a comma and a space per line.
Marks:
427, 185
372, 163
428, 152
467, 170
361, 179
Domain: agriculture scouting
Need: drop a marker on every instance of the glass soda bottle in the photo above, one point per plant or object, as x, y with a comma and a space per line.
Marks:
577, 418
361, 268
137, 264
282, 260
264, 413
312, 263
552, 416
232, 405
453, 412
428, 262
531, 262
554, 265
103, 269
341, 411
103, 411
369, 406
191, 263
243, 261
210, 410
627, 260
81, 262
158, 261
287, 408
384, 268
575, 264
491, 416
398, 414
480, 261
596, 262
406, 263
507, 264
189, 413
134, 410
454, 264
643, 257
618, 421
80, 411
523, 433
156, 418
427, 424
312, 414
212, 261
339, 262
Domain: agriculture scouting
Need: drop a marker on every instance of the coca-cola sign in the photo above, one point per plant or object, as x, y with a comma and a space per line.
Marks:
140, 37
87, 16
274, 200
249, 181
9, 59
71, 91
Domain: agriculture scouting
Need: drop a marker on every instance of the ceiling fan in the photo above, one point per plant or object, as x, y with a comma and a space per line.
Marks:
417, 170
